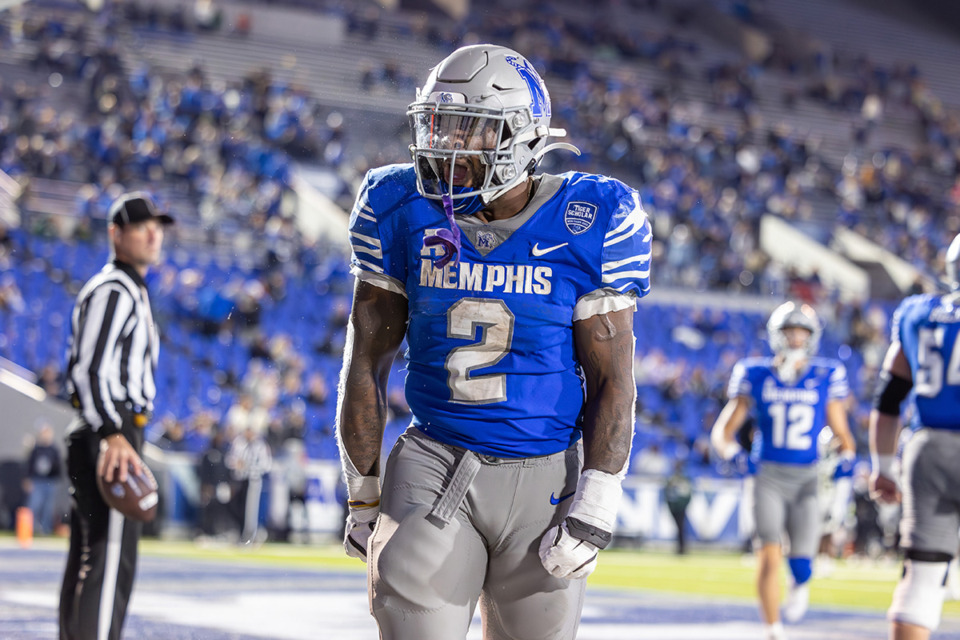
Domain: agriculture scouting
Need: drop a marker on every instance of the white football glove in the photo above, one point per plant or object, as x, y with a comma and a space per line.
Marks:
364, 504
570, 549
564, 556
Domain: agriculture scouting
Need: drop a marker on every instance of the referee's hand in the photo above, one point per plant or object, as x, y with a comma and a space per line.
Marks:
117, 454
884, 489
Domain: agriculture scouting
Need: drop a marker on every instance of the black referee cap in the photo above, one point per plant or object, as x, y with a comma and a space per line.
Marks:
135, 207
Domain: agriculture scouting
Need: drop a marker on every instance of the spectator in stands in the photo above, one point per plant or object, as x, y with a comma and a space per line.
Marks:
207, 15
11, 298
677, 492
249, 460
293, 463
171, 436
42, 485
216, 489
650, 461
245, 414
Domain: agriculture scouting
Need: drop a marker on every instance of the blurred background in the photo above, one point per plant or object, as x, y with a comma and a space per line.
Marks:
783, 150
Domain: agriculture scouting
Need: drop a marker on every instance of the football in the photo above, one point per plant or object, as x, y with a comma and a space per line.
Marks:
137, 498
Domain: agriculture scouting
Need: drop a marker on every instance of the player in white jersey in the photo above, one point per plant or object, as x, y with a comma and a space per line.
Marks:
793, 396
515, 294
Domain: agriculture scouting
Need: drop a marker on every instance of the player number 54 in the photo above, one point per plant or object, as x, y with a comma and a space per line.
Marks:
929, 379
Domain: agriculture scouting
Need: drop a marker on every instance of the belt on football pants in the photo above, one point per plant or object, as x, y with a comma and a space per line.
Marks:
455, 492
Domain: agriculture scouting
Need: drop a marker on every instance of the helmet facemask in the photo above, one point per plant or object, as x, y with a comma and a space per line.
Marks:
790, 359
485, 111
464, 154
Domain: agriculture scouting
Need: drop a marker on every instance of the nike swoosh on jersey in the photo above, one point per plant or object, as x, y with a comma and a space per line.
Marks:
555, 500
537, 251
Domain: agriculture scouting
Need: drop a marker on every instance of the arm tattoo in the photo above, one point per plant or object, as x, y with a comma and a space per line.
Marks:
606, 352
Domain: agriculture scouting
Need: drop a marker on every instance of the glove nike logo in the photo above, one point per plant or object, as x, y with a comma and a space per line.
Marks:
537, 251
555, 500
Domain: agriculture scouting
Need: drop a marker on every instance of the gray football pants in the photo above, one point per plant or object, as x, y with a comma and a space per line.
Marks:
931, 491
785, 498
457, 528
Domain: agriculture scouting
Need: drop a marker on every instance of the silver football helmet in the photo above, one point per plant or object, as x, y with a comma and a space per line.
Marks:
791, 314
952, 264
483, 101
793, 362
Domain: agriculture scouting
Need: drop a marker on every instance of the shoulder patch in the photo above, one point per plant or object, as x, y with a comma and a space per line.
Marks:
579, 216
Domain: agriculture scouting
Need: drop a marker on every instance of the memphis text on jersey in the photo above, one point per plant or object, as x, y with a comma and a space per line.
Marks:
501, 278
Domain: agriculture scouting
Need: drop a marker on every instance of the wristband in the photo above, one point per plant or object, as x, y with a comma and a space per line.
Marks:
363, 492
597, 499
883, 464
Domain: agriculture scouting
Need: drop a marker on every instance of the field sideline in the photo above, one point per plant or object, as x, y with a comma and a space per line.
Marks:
866, 585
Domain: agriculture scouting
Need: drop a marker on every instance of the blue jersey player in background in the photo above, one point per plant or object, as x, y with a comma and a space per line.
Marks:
793, 396
924, 356
515, 293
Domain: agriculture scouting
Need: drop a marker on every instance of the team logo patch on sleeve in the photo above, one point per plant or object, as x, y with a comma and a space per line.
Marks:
579, 216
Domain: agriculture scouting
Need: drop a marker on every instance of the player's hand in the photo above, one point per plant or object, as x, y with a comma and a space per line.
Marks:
565, 556
117, 454
845, 465
884, 489
360, 524
569, 550
725, 449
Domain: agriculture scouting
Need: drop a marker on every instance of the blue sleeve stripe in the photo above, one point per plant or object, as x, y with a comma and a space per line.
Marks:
366, 213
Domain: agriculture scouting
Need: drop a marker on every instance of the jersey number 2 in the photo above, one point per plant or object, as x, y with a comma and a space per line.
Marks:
496, 335
791, 425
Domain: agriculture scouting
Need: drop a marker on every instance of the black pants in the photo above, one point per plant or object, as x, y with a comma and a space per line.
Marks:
102, 560
680, 519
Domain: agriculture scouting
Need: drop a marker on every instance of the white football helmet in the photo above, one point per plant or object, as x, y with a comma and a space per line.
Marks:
486, 101
952, 264
791, 314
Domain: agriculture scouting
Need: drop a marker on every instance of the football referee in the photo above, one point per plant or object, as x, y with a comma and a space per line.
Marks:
110, 376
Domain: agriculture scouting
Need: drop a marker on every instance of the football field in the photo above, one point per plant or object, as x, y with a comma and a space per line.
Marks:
286, 592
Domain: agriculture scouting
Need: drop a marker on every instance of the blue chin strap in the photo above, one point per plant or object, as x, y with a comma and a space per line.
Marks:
463, 206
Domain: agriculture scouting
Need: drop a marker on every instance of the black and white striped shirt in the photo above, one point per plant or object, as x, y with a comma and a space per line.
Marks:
113, 349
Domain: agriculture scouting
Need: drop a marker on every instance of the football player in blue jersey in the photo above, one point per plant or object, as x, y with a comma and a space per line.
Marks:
515, 293
793, 396
924, 356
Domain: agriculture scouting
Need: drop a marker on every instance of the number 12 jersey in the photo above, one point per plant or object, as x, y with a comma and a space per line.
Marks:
789, 416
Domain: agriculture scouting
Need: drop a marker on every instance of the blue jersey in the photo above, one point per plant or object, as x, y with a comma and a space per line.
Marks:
926, 327
491, 364
789, 416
